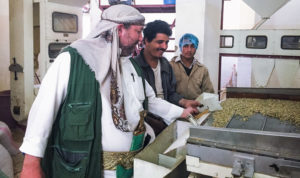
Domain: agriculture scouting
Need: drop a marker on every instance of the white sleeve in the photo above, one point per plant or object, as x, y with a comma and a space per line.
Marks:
168, 111
44, 109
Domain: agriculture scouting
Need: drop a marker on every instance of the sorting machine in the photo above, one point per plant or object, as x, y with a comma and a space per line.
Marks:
260, 146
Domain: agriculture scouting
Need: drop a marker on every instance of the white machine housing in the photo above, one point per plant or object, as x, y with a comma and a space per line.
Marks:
31, 33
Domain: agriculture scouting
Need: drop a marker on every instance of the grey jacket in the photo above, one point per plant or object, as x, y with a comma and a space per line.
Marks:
167, 77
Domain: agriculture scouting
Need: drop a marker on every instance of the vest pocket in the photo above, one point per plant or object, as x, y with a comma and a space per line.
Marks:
69, 164
78, 123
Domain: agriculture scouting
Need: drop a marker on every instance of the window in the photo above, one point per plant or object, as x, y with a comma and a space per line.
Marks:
290, 42
226, 41
256, 42
54, 49
65, 23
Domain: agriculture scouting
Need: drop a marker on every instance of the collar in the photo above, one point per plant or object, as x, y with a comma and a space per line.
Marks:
141, 59
195, 62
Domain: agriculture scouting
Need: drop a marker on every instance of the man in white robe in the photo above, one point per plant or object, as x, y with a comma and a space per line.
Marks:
118, 31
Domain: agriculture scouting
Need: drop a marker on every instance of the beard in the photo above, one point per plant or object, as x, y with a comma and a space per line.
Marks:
126, 51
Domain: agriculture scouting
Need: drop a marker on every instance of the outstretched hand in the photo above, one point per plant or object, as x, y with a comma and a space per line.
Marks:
188, 111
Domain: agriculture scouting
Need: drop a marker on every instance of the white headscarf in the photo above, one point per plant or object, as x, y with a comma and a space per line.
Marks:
100, 50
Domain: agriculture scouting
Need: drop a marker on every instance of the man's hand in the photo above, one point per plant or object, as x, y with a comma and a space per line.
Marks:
189, 111
31, 167
189, 103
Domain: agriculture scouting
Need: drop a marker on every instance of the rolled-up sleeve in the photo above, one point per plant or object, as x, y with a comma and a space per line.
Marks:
43, 112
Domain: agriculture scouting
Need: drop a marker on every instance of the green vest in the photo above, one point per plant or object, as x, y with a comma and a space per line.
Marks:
74, 146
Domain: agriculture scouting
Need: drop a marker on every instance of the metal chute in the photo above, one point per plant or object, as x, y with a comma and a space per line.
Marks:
265, 8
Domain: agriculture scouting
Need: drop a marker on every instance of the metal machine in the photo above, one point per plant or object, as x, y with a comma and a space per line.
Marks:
259, 147
38, 30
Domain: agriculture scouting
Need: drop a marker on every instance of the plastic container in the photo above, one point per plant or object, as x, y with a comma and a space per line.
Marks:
169, 1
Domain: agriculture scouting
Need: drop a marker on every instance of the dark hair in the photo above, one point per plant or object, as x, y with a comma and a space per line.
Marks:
157, 26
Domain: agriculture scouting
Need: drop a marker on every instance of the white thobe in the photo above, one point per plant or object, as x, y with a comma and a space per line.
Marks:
53, 91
